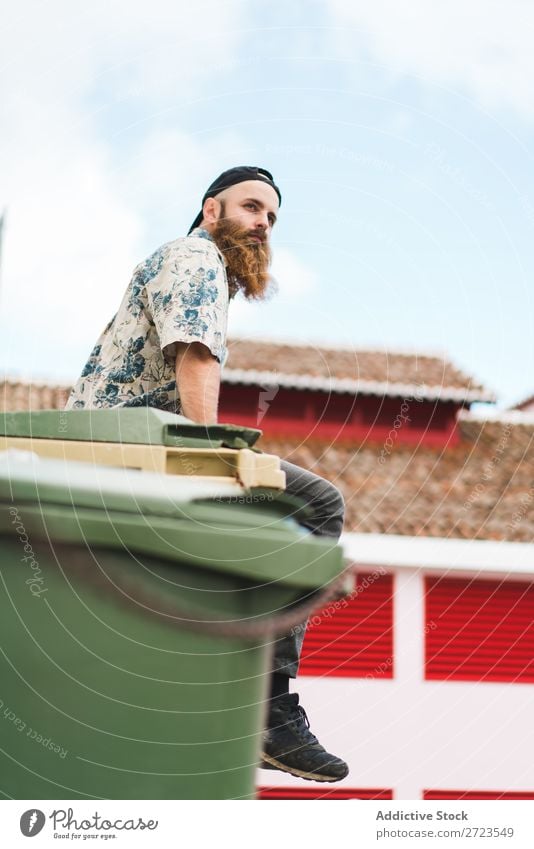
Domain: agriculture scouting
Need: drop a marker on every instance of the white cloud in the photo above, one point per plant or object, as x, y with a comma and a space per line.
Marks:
296, 285
481, 46
294, 278
78, 197
69, 238
59, 48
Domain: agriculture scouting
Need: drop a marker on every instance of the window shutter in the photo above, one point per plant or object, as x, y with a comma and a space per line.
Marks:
479, 630
353, 637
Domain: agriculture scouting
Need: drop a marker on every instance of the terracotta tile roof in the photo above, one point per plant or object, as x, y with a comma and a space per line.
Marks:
349, 370
527, 405
481, 489
21, 395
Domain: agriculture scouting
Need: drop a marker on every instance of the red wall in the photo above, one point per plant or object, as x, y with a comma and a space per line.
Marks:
303, 413
317, 793
477, 794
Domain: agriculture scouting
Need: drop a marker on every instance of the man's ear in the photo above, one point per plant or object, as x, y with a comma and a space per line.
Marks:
211, 210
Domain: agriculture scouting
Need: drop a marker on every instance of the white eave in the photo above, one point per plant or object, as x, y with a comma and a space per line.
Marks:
516, 417
251, 377
438, 553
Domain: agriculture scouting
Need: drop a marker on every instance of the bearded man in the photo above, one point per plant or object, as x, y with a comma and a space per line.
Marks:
165, 348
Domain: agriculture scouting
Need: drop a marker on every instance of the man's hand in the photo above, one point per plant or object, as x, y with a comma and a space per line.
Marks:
198, 379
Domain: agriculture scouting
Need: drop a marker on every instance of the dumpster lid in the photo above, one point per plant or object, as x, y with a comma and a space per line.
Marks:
26, 477
168, 518
142, 425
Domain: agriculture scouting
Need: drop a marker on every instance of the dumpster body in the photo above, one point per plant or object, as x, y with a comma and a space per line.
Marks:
127, 669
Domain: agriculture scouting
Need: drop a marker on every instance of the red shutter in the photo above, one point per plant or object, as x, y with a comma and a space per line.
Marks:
316, 793
478, 794
353, 637
479, 630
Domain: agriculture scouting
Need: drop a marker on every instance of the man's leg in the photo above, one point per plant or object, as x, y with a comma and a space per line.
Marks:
288, 743
327, 521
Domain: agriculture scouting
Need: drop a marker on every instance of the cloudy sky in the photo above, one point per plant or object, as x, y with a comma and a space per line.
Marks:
401, 136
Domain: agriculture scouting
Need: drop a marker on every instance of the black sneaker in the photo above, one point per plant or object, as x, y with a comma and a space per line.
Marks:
289, 745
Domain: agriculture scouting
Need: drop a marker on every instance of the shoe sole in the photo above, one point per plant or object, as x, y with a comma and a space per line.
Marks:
272, 763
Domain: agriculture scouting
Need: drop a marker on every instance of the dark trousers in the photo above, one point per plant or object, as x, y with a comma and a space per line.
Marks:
327, 521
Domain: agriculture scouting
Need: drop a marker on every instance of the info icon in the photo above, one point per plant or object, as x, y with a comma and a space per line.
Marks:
31, 822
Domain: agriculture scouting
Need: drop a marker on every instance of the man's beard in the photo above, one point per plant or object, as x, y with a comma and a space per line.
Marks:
247, 259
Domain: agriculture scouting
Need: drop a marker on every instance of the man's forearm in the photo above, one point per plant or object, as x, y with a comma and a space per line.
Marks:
198, 377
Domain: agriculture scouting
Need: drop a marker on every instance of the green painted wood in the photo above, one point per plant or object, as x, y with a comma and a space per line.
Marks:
144, 426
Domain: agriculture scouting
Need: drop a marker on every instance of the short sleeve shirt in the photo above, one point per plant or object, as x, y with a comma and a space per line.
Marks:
179, 294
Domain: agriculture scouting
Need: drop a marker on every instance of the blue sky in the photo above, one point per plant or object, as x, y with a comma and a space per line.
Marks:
400, 135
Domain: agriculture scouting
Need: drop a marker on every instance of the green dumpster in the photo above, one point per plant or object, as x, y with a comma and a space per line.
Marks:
136, 627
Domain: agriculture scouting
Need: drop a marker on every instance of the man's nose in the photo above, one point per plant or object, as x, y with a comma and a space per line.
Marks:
263, 221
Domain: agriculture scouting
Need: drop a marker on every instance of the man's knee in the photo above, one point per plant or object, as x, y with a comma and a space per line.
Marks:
325, 498
330, 511
334, 499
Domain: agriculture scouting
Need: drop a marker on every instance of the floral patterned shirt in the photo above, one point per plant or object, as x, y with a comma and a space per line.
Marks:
179, 294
